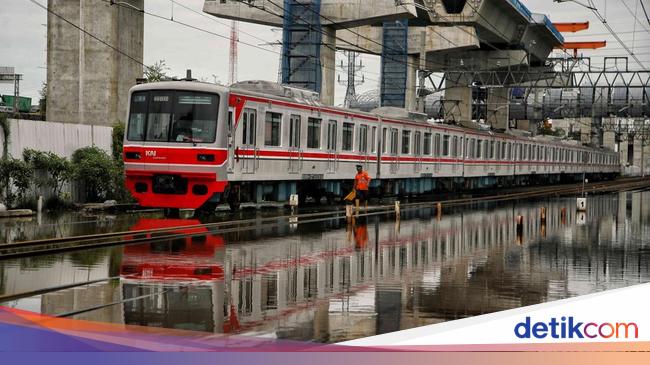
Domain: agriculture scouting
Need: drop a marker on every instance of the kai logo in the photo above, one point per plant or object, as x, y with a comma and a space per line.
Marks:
150, 153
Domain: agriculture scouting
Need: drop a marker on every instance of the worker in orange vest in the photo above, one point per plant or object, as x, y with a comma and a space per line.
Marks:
361, 185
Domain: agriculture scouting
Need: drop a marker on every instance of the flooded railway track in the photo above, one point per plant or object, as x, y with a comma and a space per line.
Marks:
47, 246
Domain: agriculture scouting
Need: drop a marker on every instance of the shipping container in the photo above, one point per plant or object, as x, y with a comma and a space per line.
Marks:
24, 104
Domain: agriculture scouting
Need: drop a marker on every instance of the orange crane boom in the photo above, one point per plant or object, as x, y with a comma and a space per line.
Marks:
571, 27
575, 46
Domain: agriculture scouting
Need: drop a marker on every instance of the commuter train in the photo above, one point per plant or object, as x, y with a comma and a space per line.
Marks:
194, 145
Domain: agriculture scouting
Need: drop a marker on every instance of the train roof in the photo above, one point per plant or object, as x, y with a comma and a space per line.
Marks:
181, 85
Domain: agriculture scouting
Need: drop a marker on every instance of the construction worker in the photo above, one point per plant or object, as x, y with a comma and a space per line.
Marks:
361, 185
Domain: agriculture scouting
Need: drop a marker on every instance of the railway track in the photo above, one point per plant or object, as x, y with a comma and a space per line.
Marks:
46, 246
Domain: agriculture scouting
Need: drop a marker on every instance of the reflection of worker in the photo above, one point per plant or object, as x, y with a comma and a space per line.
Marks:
361, 185
361, 235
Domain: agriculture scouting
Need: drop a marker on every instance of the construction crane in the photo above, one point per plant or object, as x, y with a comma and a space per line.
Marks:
232, 65
575, 46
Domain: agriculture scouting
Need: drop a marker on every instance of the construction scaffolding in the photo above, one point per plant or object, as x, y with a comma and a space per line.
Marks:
301, 44
394, 63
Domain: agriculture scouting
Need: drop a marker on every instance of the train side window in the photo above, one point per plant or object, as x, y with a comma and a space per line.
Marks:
406, 142
524, 152
454, 146
249, 128
384, 140
504, 150
313, 133
331, 135
294, 131
363, 138
497, 151
272, 125
394, 135
436, 145
479, 148
373, 140
461, 147
445, 145
492, 143
471, 148
417, 144
348, 134
427, 144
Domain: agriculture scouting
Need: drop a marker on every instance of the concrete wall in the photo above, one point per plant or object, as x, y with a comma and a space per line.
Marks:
88, 81
60, 138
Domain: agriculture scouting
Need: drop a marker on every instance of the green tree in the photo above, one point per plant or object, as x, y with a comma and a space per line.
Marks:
6, 132
16, 174
156, 72
96, 170
119, 193
42, 103
57, 170
118, 140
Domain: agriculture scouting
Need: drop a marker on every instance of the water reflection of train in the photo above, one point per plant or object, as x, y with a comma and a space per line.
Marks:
345, 282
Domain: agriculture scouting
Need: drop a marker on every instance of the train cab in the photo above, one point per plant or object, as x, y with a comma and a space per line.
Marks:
175, 145
181, 249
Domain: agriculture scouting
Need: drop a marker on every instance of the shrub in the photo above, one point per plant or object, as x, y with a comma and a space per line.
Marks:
15, 174
96, 170
58, 170
4, 125
118, 140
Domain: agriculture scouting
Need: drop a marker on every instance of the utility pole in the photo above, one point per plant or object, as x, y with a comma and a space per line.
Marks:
352, 68
232, 65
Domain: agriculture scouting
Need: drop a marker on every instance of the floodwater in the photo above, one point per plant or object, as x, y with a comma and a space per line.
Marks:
329, 281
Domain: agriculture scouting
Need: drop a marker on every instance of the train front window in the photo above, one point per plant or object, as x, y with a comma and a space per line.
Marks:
195, 117
169, 116
137, 118
159, 116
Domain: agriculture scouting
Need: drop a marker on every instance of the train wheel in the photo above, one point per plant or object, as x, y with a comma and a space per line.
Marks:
172, 212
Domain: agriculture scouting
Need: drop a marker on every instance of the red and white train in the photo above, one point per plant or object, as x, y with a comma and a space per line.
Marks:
190, 144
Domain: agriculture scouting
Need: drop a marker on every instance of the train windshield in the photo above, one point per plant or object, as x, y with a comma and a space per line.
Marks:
173, 116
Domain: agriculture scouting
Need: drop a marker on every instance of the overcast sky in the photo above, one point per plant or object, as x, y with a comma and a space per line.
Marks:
23, 40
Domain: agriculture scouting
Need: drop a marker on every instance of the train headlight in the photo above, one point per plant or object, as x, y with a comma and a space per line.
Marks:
205, 158
133, 155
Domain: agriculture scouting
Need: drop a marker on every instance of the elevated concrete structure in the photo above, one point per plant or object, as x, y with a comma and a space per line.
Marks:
335, 13
473, 34
88, 82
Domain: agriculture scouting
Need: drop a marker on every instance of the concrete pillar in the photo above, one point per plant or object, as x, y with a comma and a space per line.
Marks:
458, 103
609, 140
87, 81
623, 150
498, 111
328, 65
411, 83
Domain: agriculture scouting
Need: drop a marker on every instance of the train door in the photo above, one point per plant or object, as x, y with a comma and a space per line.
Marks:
332, 156
249, 152
295, 138
436, 152
362, 146
417, 152
394, 144
231, 140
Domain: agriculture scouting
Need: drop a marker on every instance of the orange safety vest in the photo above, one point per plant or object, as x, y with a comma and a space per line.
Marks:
361, 181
